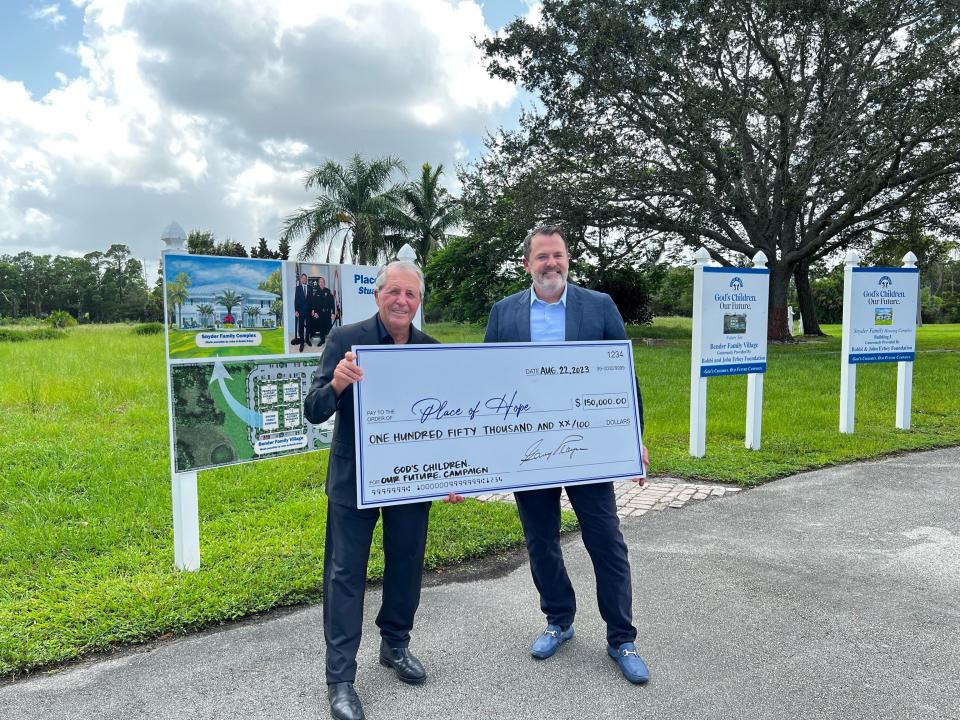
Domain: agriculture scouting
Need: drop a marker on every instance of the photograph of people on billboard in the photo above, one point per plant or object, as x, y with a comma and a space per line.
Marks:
315, 290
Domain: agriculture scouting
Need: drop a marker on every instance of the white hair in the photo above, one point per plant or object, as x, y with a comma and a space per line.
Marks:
405, 265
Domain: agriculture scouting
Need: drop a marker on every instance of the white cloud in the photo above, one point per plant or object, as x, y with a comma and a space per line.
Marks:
48, 13
211, 113
37, 218
284, 148
534, 14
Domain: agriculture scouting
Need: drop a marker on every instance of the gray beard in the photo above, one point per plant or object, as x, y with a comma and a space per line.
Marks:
549, 288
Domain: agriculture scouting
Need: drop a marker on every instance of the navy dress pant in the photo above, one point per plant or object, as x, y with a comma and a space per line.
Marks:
349, 534
596, 509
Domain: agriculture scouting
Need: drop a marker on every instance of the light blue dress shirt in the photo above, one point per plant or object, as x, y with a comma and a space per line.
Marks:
548, 321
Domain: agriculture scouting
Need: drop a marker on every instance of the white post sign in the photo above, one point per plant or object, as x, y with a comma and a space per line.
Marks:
879, 325
729, 338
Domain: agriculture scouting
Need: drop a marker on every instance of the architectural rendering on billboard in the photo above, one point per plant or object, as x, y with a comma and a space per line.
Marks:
223, 306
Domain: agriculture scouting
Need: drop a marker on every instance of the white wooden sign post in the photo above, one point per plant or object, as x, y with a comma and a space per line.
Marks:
879, 325
729, 338
183, 486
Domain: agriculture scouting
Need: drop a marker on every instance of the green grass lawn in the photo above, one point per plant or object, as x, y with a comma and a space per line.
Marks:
85, 522
85, 514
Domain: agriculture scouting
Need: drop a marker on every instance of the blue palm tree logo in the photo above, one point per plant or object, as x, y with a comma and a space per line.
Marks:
736, 284
885, 281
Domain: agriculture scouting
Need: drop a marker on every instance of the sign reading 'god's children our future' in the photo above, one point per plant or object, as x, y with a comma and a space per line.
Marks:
883, 317
734, 321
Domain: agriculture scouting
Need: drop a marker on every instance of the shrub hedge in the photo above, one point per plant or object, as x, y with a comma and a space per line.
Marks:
43, 333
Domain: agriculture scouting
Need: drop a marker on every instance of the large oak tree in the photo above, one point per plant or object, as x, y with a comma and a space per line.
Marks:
789, 126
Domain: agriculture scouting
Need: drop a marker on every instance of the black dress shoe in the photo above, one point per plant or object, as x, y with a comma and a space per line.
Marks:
408, 668
309, 343
344, 703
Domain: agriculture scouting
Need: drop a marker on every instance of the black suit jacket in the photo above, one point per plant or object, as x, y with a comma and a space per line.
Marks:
322, 402
303, 304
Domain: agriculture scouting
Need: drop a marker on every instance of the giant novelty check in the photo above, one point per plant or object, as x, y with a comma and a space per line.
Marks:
486, 418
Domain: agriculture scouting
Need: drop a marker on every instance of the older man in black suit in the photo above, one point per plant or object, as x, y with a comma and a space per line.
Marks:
398, 291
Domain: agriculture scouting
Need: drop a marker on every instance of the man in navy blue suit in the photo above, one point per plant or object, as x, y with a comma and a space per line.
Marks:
302, 303
553, 310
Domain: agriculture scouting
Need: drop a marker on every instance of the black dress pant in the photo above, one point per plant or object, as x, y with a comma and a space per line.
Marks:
302, 327
349, 534
596, 509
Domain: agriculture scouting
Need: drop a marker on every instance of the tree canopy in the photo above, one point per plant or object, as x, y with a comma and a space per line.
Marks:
429, 212
788, 126
104, 286
355, 207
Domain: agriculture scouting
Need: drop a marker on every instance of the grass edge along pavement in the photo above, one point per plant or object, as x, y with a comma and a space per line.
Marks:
85, 494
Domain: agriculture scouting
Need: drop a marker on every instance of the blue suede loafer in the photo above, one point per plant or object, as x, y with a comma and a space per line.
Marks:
551, 639
631, 664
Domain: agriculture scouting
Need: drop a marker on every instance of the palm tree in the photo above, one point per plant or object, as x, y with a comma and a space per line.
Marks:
229, 299
431, 211
253, 312
352, 205
206, 313
177, 293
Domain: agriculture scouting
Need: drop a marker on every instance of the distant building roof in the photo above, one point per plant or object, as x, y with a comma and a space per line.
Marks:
213, 289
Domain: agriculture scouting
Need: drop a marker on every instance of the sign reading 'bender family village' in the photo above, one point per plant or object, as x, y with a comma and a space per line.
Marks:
734, 317
729, 338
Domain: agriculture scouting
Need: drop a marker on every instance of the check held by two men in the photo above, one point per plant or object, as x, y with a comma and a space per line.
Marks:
483, 418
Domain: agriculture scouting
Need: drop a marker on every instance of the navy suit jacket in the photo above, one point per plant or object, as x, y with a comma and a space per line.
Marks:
322, 402
591, 315
303, 303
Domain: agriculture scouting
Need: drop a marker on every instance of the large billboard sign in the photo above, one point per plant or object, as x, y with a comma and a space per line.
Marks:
244, 337
733, 316
883, 314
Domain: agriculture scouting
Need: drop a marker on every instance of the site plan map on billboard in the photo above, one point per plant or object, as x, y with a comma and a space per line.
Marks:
234, 411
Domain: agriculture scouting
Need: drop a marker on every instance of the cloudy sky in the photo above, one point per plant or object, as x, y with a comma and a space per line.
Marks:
118, 116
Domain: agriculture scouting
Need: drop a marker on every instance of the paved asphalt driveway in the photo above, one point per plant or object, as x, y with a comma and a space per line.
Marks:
832, 594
